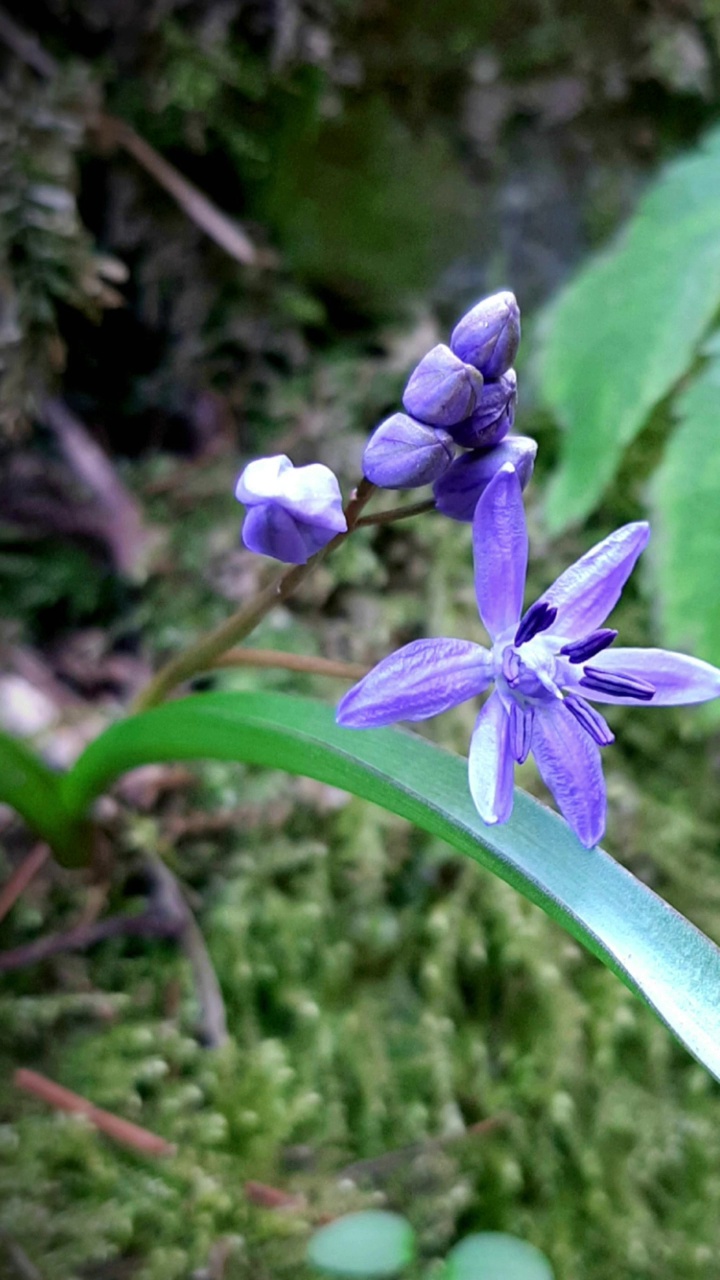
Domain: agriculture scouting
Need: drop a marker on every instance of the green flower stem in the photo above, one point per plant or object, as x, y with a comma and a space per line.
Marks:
397, 513
203, 655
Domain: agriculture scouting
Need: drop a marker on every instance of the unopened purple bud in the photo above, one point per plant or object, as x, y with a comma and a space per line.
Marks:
457, 492
292, 511
488, 337
405, 454
494, 416
442, 390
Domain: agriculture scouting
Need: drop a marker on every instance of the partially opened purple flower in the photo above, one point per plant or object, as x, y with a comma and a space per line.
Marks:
545, 665
292, 511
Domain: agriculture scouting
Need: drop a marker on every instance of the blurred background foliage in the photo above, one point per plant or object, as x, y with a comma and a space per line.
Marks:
388, 164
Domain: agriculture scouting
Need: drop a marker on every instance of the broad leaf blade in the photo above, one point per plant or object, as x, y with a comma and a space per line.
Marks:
686, 521
34, 791
621, 334
654, 950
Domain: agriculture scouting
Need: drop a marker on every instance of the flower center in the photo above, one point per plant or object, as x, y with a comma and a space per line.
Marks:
525, 673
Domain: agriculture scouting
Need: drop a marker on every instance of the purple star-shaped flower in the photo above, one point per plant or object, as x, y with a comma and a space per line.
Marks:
545, 665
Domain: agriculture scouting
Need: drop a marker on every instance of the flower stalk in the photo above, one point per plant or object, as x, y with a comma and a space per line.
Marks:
203, 655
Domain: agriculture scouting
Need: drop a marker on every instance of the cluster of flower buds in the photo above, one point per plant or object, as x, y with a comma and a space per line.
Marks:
464, 394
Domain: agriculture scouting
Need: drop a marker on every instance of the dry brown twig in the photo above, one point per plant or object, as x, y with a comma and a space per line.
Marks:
21, 877
123, 1131
119, 514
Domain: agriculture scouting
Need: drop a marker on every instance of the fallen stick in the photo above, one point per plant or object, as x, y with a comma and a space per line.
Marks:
123, 1131
21, 877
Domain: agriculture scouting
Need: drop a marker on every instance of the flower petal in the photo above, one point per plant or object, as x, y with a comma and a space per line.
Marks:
588, 591
569, 764
270, 531
676, 677
312, 494
261, 480
420, 680
490, 765
500, 547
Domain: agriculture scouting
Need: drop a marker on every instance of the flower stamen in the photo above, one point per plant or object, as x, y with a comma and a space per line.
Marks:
590, 720
585, 649
617, 686
537, 618
521, 724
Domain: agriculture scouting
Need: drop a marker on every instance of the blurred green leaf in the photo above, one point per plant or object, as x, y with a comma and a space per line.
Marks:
369, 1243
492, 1255
34, 791
686, 521
655, 951
621, 334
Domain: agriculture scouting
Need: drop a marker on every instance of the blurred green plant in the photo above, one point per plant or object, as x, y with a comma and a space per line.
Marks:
629, 331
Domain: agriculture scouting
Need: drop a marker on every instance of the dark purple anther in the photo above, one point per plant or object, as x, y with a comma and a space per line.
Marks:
617, 686
537, 618
521, 724
585, 649
590, 719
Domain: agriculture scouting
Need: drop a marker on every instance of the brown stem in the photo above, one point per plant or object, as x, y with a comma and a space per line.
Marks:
397, 513
203, 655
21, 877
388, 1161
131, 1135
272, 658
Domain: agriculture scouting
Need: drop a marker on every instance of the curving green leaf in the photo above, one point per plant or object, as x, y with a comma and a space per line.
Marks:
654, 950
368, 1244
626, 328
492, 1255
34, 791
686, 521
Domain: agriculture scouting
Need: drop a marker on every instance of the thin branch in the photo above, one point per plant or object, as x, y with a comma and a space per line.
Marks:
124, 1131
24, 1267
397, 513
146, 924
273, 658
385, 1164
212, 1023
26, 46
125, 532
21, 877
203, 654
206, 215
